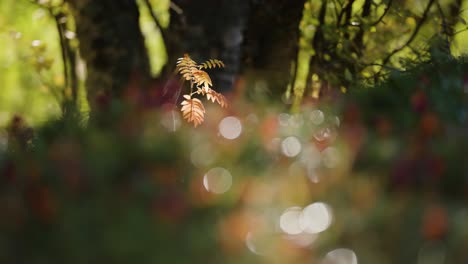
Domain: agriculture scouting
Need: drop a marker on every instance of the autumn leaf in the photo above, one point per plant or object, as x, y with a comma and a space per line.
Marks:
216, 97
193, 110
186, 67
201, 78
213, 63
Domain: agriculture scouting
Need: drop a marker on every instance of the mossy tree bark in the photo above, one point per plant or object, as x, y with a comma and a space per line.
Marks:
111, 43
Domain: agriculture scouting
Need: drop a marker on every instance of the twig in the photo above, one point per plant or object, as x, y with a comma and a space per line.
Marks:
359, 37
62, 46
365, 65
415, 33
444, 20
345, 11
460, 31
384, 13
176, 8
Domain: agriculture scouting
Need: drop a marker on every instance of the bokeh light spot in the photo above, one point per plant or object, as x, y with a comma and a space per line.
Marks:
291, 146
251, 243
289, 221
341, 256
315, 218
217, 180
317, 117
230, 127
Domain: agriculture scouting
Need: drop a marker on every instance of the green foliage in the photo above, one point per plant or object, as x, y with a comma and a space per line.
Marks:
422, 110
32, 74
30, 62
346, 42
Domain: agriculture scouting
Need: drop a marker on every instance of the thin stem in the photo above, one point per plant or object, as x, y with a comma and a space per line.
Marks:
413, 35
62, 46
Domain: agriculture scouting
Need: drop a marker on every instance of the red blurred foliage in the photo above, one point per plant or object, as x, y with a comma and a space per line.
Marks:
417, 171
8, 172
66, 157
435, 223
321, 144
384, 127
42, 203
419, 101
429, 125
353, 131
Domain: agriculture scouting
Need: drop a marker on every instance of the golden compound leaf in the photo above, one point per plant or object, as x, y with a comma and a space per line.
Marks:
186, 67
216, 97
213, 63
193, 110
201, 78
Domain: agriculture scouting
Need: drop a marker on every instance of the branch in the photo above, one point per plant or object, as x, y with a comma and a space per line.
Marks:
156, 20
413, 36
345, 11
460, 31
444, 20
384, 13
318, 42
176, 8
359, 37
318, 36
453, 17
63, 45
335, 5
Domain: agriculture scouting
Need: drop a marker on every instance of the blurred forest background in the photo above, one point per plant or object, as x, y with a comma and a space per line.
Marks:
344, 142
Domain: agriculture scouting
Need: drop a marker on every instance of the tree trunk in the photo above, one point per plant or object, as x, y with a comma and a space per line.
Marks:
272, 41
113, 47
256, 37
209, 29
